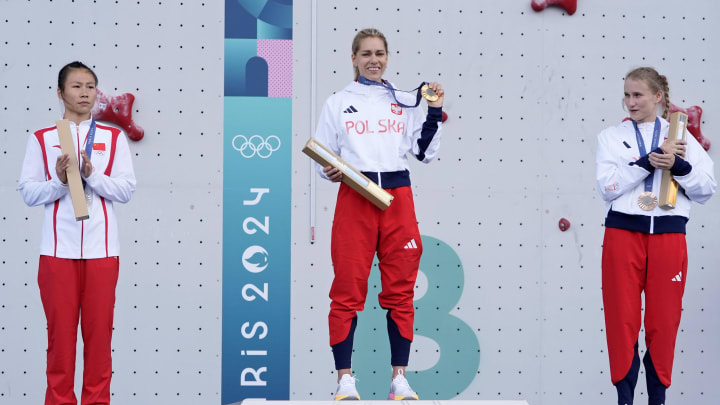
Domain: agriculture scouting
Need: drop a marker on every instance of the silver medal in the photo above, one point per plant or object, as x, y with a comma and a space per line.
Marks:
88, 196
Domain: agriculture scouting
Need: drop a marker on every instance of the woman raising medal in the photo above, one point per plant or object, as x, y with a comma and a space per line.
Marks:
374, 128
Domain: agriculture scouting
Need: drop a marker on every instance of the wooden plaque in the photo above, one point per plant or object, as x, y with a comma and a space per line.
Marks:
77, 194
351, 176
668, 186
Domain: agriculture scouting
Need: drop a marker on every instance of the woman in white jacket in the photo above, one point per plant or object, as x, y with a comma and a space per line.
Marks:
374, 131
78, 266
644, 247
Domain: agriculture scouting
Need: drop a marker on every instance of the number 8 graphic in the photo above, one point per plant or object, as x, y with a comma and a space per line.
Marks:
458, 356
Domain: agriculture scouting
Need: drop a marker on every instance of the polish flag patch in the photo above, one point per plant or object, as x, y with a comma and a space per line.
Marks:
396, 109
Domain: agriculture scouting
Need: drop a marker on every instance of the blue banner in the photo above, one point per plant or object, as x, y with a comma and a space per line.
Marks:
256, 200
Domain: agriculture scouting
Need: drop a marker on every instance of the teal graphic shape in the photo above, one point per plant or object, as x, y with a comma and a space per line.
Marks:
263, 231
459, 350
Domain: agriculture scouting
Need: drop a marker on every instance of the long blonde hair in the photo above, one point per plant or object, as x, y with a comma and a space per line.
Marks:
366, 33
655, 81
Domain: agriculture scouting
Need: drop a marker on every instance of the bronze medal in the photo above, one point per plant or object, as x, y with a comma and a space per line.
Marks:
428, 93
647, 201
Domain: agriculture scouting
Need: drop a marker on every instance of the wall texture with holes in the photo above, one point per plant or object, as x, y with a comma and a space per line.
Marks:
167, 320
514, 303
527, 93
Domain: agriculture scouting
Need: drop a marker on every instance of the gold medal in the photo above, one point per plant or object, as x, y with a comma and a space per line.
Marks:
428, 93
647, 201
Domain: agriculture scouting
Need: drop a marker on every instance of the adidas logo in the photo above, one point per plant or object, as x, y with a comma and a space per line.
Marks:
411, 244
350, 110
678, 277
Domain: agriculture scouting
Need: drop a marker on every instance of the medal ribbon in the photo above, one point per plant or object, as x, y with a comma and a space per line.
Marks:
90, 142
641, 147
387, 85
90, 139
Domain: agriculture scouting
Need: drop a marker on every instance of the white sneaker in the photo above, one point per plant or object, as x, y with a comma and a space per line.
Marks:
400, 389
346, 389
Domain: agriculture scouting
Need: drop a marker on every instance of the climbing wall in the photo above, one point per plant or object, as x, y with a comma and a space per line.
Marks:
508, 305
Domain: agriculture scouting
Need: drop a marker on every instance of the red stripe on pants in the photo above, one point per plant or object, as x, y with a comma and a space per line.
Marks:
633, 262
72, 290
359, 230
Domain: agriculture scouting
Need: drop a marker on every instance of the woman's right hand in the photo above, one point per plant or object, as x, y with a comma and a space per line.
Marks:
63, 162
437, 88
333, 173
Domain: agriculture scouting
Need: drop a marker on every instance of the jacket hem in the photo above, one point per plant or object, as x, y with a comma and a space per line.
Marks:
642, 223
396, 179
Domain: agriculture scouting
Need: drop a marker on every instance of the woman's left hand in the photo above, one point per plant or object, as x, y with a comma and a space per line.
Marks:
663, 161
86, 168
677, 147
437, 88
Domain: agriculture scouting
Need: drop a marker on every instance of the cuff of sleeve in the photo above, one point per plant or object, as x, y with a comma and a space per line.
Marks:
434, 114
643, 162
92, 178
681, 167
58, 183
319, 170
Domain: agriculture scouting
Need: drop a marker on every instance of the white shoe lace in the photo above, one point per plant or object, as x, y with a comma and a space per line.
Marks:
401, 381
350, 380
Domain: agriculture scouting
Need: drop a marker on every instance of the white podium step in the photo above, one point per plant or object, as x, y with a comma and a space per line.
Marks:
361, 402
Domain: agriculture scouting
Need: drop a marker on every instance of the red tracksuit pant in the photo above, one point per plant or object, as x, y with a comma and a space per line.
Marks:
72, 290
633, 262
359, 230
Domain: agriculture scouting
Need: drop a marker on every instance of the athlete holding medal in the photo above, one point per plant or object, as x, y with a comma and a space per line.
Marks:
373, 127
644, 247
79, 260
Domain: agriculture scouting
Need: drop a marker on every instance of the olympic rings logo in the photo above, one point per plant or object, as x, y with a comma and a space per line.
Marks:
256, 145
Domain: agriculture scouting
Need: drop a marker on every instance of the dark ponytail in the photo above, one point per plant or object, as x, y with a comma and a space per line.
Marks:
62, 76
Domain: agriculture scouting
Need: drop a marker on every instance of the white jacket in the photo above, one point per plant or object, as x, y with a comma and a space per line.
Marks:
620, 181
113, 180
365, 126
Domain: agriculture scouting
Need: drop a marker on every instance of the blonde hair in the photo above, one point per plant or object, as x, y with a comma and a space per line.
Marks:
362, 34
655, 81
